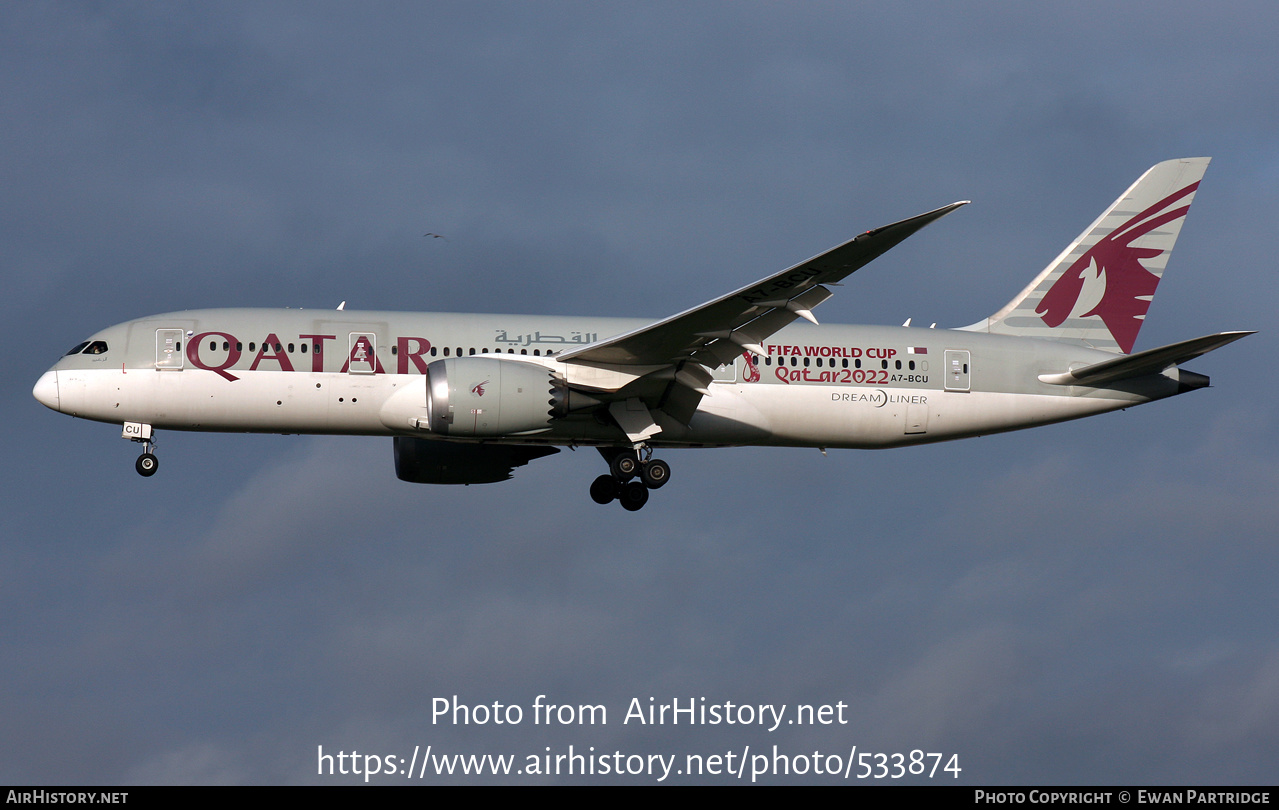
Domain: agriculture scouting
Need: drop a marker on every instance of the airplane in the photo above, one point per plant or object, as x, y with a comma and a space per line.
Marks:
468, 398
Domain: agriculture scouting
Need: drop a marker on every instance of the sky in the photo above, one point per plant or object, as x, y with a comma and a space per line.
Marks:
1085, 603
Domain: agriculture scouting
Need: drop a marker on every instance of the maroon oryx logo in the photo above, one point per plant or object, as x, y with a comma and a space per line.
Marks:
478, 388
1116, 265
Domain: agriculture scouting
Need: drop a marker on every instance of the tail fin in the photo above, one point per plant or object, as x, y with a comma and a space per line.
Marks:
1098, 290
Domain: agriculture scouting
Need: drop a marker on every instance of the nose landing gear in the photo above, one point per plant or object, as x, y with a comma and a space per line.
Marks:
624, 465
147, 463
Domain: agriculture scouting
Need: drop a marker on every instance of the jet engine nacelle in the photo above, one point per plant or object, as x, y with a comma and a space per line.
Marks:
485, 396
425, 461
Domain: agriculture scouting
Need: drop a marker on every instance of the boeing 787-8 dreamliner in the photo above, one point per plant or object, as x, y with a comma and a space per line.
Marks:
470, 397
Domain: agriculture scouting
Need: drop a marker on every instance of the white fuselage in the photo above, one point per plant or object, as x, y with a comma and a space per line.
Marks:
258, 370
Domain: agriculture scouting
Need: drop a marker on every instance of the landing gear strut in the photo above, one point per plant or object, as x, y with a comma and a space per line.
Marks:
624, 465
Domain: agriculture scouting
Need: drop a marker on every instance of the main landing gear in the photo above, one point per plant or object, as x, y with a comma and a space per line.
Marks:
623, 466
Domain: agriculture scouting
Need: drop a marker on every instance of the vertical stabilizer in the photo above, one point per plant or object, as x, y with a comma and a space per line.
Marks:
1098, 290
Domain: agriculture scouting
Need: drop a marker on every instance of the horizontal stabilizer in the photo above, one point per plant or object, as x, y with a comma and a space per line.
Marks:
1151, 361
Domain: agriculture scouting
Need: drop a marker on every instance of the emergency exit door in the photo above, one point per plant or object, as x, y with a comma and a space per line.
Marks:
958, 370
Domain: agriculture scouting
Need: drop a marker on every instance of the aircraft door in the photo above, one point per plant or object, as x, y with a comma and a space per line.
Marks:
168, 349
958, 370
362, 358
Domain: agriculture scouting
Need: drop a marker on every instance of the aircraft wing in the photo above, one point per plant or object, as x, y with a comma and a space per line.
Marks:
713, 334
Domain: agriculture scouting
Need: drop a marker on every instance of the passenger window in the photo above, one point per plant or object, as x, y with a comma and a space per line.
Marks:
213, 345
290, 348
446, 351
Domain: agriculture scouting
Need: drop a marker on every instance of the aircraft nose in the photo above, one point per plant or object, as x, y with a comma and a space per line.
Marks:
46, 390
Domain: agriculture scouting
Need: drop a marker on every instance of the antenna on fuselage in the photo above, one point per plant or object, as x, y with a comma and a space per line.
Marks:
341, 306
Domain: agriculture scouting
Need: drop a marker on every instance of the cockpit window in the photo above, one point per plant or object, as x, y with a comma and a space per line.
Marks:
79, 348
97, 347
